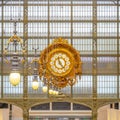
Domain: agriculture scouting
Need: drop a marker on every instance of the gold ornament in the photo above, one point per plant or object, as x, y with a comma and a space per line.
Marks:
60, 63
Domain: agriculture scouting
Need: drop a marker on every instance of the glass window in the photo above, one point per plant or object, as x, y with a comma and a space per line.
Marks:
83, 88
107, 86
107, 29
107, 46
82, 12
107, 12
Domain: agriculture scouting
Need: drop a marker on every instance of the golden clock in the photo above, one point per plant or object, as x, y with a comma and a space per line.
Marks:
60, 62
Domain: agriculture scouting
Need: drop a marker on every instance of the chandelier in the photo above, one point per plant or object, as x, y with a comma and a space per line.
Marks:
35, 83
15, 60
15, 41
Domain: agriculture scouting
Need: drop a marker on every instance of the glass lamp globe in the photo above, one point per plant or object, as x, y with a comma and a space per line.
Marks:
54, 92
45, 89
50, 91
14, 78
35, 84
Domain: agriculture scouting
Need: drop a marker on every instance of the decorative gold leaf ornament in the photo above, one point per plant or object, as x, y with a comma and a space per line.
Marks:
60, 63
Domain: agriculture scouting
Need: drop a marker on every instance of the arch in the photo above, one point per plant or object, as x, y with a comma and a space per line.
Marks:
84, 104
77, 106
79, 103
102, 104
87, 103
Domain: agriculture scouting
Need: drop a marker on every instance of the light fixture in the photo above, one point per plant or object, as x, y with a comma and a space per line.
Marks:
35, 83
14, 78
50, 91
44, 88
16, 41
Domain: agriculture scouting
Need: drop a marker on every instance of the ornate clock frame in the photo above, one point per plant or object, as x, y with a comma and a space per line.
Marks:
67, 77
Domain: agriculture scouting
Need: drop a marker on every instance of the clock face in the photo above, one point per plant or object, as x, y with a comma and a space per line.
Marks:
60, 63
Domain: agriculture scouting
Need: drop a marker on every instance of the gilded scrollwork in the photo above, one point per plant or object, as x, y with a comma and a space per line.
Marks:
60, 71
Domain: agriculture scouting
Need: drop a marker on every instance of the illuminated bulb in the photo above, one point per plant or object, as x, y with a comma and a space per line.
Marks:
56, 93
14, 78
35, 84
50, 91
45, 89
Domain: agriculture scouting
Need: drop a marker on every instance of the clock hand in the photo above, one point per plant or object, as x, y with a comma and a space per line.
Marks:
60, 62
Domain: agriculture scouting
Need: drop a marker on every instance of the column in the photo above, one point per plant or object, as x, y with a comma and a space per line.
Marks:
25, 42
94, 114
94, 110
25, 114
